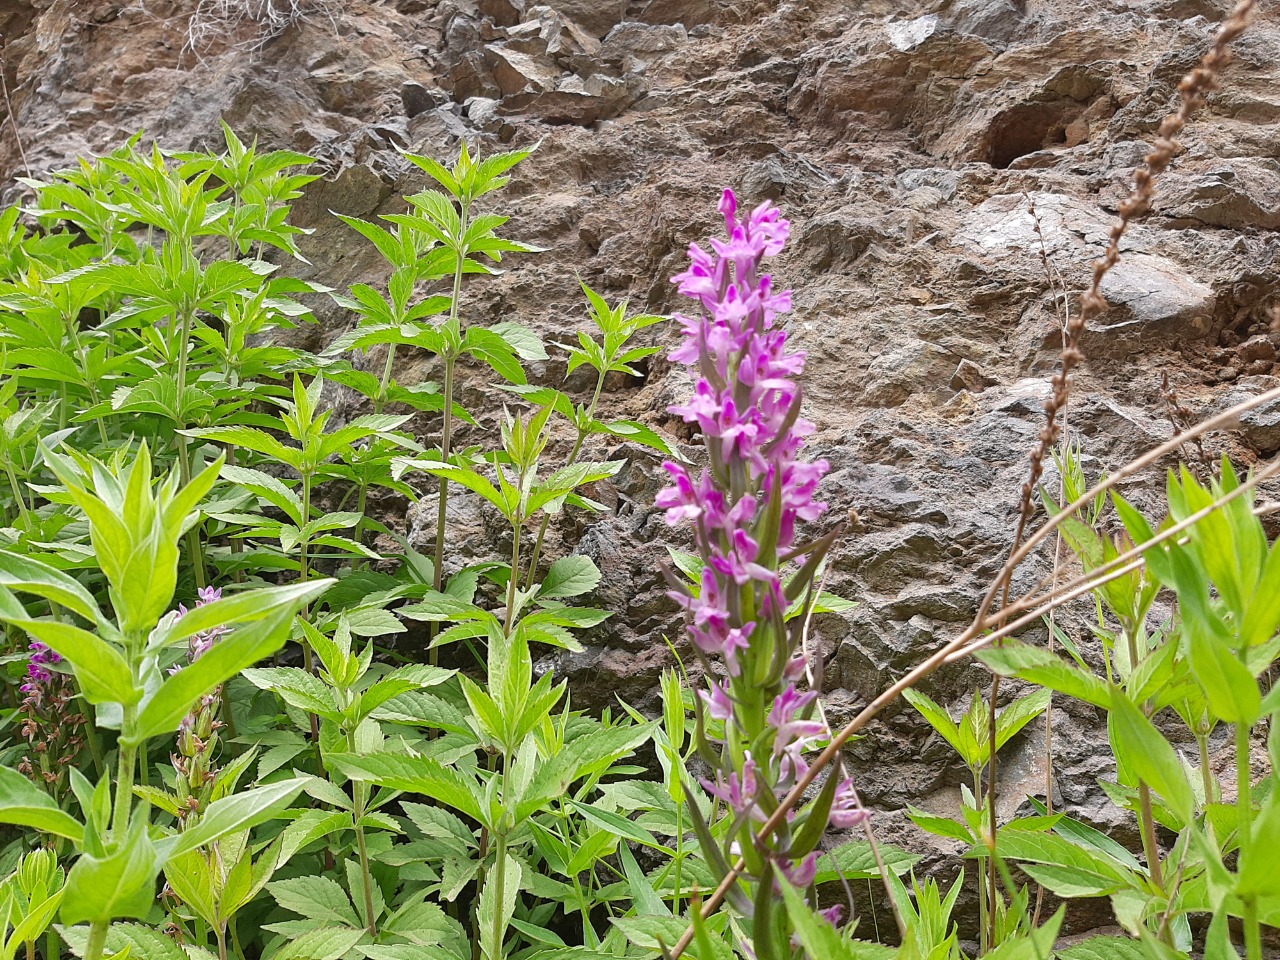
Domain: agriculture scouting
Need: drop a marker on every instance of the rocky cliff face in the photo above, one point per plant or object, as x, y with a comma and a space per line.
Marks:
908, 142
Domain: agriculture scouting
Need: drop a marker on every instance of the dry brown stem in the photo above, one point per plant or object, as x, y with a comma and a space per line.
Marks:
1181, 417
8, 105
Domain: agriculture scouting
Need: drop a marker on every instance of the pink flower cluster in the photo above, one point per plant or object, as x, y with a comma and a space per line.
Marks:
38, 673
745, 506
747, 406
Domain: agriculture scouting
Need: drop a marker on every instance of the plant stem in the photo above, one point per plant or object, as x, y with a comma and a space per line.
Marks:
357, 532
235, 940
675, 897
308, 660
91, 735
235, 544
303, 545
74, 334
194, 550
1148, 825
222, 942
573, 458
124, 776
380, 400
1252, 930
360, 791
368, 880
446, 429
1206, 776
993, 768
1244, 804
17, 495
512, 585
97, 940
442, 506
1146, 819
982, 882
500, 882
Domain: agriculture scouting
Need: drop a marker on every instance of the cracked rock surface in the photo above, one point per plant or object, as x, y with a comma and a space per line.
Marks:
908, 142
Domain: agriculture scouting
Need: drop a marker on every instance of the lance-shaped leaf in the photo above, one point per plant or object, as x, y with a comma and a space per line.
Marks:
1039, 666
28, 575
268, 488
23, 804
246, 645
419, 775
102, 672
246, 606
231, 814
250, 438
297, 688
1141, 747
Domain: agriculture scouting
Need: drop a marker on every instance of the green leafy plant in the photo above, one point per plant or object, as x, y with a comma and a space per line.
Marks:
968, 738
135, 527
29, 901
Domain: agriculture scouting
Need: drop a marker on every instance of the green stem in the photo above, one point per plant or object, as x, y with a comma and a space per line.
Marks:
573, 458
1146, 818
124, 775
982, 883
91, 735
675, 896
1206, 775
303, 574
235, 940
73, 332
303, 544
380, 400
993, 774
500, 883
184, 336
442, 506
235, 543
512, 585
1252, 930
17, 495
360, 791
1244, 785
228, 719
194, 550
1148, 825
222, 942
446, 430
1244, 803
357, 533
97, 940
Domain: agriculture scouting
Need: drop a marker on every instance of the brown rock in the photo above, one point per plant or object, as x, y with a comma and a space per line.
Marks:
969, 376
597, 17
517, 72
1257, 347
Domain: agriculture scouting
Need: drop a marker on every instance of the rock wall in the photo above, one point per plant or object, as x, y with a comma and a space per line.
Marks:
908, 142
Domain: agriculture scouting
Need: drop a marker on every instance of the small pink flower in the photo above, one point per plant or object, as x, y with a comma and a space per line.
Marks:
719, 705
846, 811
800, 874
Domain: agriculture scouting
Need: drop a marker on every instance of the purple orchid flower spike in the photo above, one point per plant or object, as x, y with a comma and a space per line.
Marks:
746, 506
